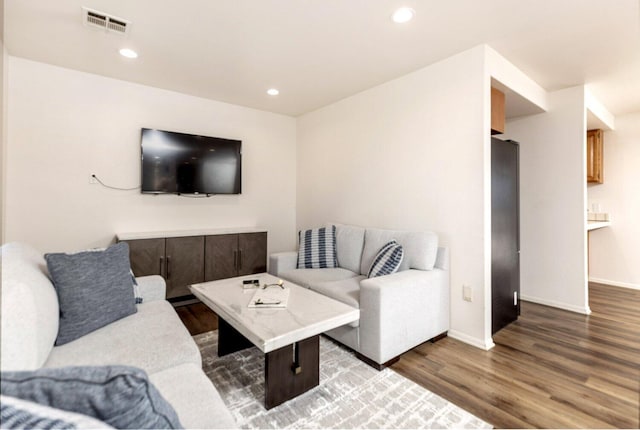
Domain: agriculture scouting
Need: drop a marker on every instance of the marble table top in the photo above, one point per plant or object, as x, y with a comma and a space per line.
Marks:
307, 313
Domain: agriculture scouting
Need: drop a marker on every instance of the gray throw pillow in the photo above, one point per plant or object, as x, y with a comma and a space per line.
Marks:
120, 396
136, 290
94, 289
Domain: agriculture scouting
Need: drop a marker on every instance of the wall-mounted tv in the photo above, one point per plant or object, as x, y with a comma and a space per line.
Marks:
180, 163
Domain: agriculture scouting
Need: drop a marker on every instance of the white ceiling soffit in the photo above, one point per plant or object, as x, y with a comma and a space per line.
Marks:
319, 51
515, 104
594, 121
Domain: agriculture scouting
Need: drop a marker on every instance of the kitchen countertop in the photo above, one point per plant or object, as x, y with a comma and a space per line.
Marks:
592, 225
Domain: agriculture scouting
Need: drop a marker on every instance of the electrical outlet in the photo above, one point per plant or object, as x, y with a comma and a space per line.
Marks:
467, 293
92, 179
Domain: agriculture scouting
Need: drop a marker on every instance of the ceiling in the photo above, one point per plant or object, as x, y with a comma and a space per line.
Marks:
319, 51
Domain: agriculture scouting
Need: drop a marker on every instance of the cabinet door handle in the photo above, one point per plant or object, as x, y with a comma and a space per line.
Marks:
240, 259
161, 265
235, 259
168, 266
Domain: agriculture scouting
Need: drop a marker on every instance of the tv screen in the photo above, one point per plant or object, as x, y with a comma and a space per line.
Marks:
182, 163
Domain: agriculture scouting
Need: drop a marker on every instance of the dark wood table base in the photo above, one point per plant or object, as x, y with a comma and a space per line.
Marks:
288, 371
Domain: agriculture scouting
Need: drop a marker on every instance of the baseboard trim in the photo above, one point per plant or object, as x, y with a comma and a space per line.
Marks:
485, 344
615, 283
565, 306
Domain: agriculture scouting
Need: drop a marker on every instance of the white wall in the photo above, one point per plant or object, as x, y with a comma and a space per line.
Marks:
553, 201
65, 125
3, 124
408, 154
615, 250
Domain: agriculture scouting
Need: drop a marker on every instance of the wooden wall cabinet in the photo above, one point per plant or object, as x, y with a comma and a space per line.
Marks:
595, 153
230, 255
497, 112
179, 260
187, 260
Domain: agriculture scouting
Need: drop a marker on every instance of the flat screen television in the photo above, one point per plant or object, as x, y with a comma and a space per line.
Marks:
179, 163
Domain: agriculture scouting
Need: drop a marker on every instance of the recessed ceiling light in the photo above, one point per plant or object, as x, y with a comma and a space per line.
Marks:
403, 14
129, 53
273, 92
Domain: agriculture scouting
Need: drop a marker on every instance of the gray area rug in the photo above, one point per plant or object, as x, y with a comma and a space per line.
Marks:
351, 394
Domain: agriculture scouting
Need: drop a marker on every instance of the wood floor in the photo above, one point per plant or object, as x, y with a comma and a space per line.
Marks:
198, 318
550, 369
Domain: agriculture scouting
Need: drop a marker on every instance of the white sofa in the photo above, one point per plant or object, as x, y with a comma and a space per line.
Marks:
397, 311
153, 339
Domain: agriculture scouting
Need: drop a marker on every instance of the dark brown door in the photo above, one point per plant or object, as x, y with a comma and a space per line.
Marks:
252, 248
221, 257
185, 264
505, 239
147, 256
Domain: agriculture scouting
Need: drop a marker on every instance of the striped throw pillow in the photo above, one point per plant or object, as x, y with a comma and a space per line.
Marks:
387, 261
21, 414
15, 418
317, 248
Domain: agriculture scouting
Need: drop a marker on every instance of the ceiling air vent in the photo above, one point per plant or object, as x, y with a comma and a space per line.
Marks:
105, 21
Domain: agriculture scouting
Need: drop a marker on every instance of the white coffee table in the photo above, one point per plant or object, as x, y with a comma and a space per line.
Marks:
289, 336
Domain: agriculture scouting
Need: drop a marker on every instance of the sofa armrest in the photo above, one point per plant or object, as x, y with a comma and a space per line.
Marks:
152, 288
401, 311
282, 261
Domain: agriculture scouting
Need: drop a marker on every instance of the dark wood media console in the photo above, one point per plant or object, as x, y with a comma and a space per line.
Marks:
186, 258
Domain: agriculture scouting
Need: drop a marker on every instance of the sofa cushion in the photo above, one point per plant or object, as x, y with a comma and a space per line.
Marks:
121, 396
153, 339
317, 248
29, 309
387, 261
349, 244
346, 291
420, 248
306, 277
21, 414
94, 289
193, 396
